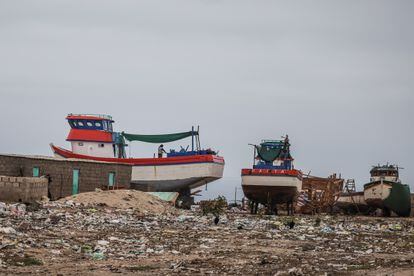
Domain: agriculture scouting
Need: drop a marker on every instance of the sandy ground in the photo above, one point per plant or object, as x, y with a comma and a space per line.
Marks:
63, 238
122, 199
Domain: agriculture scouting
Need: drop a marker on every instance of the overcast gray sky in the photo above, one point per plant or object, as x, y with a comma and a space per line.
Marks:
337, 76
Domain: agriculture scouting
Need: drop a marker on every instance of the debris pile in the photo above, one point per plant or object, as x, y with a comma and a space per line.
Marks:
16, 209
75, 236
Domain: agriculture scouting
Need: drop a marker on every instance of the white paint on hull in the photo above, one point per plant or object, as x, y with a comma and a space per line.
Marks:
171, 185
354, 199
272, 181
93, 149
175, 172
379, 191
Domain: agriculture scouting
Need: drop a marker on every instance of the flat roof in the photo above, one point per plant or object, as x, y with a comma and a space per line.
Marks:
89, 117
59, 159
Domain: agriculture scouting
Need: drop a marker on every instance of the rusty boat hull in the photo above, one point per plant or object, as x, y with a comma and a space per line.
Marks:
352, 203
388, 196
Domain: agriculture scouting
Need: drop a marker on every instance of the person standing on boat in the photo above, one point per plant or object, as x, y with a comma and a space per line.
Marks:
161, 151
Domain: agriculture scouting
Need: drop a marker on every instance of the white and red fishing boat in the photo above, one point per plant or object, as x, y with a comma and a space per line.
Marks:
92, 138
273, 179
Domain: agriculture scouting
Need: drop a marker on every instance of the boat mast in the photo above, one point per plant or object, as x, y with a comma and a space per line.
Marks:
192, 138
198, 138
254, 155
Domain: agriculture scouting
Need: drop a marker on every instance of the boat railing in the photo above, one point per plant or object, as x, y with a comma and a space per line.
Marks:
103, 116
271, 141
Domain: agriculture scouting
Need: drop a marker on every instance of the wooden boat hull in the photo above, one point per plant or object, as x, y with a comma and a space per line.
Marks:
352, 203
352, 198
271, 187
388, 195
376, 193
170, 174
168, 178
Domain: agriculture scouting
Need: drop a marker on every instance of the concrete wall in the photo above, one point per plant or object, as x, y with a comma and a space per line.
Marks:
22, 189
60, 171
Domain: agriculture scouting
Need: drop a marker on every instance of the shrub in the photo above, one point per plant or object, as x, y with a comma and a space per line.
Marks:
216, 206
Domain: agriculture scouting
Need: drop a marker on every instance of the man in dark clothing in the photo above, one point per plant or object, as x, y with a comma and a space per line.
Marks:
161, 151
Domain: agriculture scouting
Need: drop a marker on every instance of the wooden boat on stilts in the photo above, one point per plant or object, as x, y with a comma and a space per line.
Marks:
273, 179
92, 138
386, 192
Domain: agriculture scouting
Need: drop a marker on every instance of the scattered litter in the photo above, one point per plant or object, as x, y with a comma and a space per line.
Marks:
326, 229
7, 230
67, 235
98, 256
103, 243
16, 209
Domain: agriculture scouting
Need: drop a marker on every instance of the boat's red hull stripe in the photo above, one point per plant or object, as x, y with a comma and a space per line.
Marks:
87, 135
144, 161
271, 172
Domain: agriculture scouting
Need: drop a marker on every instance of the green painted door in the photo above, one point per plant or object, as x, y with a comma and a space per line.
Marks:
75, 182
36, 172
111, 181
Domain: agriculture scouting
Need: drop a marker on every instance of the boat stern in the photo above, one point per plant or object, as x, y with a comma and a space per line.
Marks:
279, 186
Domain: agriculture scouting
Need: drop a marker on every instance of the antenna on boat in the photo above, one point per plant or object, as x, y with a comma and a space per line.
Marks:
196, 135
192, 138
254, 153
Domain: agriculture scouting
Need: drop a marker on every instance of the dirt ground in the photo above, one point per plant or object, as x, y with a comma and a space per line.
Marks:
122, 199
65, 238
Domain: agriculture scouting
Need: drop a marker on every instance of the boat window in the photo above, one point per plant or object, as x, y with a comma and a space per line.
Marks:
80, 123
98, 124
80, 144
89, 124
101, 145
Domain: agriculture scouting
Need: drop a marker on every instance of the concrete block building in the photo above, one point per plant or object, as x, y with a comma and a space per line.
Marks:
65, 177
22, 189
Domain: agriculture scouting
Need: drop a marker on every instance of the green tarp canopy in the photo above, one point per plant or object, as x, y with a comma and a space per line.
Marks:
160, 138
